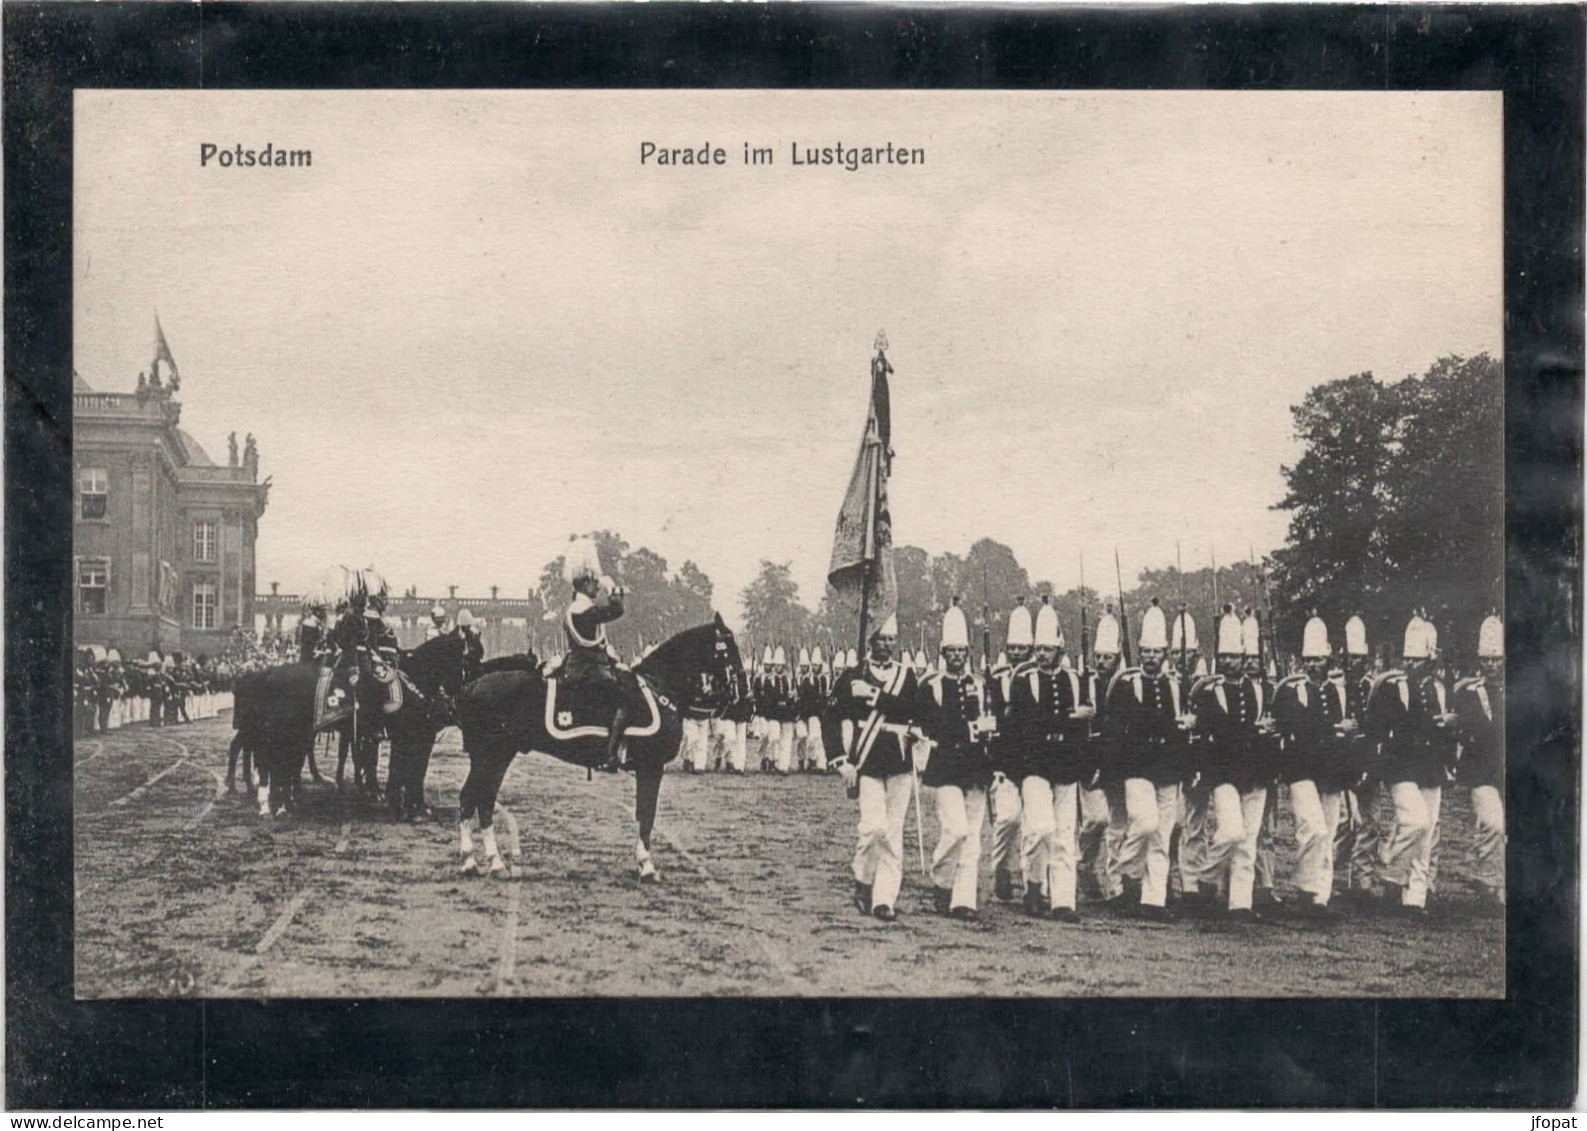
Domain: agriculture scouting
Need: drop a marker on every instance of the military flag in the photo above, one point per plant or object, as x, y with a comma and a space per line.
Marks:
162, 352
862, 548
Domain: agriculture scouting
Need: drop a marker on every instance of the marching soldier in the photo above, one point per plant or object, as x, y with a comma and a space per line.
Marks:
735, 724
1146, 719
1479, 706
1356, 845
1411, 714
1005, 790
1266, 850
954, 719
760, 726
781, 711
1100, 795
1314, 722
1046, 721
880, 697
812, 701
1229, 710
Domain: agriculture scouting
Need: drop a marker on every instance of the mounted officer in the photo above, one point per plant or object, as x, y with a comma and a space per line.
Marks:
590, 660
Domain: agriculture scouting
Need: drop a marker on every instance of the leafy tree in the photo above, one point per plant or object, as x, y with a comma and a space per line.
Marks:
772, 611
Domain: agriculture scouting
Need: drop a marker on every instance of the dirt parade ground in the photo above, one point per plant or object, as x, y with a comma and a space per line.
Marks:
183, 890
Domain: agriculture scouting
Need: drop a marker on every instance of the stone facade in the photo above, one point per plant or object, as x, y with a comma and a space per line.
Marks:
162, 537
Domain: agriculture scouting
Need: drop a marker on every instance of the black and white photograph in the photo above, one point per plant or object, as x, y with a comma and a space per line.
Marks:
946, 544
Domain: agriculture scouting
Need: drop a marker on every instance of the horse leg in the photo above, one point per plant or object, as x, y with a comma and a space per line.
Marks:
231, 762
343, 741
417, 772
647, 791
314, 767
496, 762
468, 808
397, 778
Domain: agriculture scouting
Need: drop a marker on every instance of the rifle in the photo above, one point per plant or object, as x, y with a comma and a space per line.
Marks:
1265, 625
1217, 609
1184, 634
1124, 615
1085, 642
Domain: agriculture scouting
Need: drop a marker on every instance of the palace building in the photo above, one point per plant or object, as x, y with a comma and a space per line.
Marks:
162, 536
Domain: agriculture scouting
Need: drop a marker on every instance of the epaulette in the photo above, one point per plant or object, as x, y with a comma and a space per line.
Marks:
1205, 682
1291, 680
1468, 683
1123, 674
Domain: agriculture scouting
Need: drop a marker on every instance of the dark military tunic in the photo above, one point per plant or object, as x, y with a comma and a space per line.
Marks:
880, 725
1402, 718
1141, 726
1044, 738
948, 709
1480, 705
1234, 751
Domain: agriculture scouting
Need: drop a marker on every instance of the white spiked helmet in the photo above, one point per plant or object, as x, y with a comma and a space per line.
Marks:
1107, 642
779, 657
1490, 639
765, 656
1154, 628
817, 660
1314, 640
1019, 630
1356, 637
1047, 632
1184, 632
955, 632
1251, 635
804, 657
1230, 637
1421, 639
889, 626
465, 619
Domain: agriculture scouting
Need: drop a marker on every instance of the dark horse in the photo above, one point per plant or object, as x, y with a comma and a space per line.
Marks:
274, 716
502, 714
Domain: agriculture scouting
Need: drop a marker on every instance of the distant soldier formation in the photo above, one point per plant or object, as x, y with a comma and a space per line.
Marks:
161, 690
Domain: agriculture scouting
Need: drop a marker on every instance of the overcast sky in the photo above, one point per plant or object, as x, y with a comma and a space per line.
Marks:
477, 324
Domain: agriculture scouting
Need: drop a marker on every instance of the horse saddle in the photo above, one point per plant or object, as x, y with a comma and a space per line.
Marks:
577, 710
335, 696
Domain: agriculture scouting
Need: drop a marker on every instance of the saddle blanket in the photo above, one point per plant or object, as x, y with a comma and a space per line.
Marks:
334, 703
570, 715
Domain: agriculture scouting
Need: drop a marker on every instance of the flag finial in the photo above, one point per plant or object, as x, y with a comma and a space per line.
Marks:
881, 341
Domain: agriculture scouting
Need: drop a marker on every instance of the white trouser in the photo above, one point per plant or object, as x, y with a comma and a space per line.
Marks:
785, 746
736, 737
1005, 826
815, 752
1316, 822
694, 744
1360, 832
1150, 812
770, 735
1236, 824
1097, 860
1050, 847
1195, 828
956, 863
879, 856
1407, 854
1266, 850
1487, 845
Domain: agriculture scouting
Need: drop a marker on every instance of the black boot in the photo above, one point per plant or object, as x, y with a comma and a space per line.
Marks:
862, 897
1003, 885
614, 744
1035, 900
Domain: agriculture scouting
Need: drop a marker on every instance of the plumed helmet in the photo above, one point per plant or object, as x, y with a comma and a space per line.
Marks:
1490, 639
465, 619
581, 561
955, 632
1314, 640
1184, 634
1421, 639
1107, 642
1048, 632
779, 657
765, 656
1154, 627
817, 660
1356, 637
804, 657
1251, 635
1019, 628
1231, 640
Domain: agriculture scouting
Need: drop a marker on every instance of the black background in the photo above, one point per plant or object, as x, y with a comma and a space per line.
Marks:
179, 1054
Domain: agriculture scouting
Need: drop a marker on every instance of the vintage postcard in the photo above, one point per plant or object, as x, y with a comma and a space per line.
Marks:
788, 543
